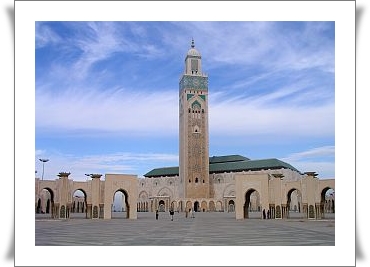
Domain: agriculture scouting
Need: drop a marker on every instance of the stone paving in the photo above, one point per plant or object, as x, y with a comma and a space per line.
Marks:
206, 229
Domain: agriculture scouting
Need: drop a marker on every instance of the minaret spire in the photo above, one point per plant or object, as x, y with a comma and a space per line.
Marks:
193, 130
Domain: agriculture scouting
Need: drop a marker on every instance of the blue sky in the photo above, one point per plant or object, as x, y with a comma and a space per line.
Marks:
107, 93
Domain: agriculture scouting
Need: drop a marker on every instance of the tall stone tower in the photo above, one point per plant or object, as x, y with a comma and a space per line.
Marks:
194, 144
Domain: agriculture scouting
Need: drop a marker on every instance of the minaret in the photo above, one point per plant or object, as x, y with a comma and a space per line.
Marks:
193, 119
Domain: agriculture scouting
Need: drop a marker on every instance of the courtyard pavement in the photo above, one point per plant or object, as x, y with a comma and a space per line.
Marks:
206, 229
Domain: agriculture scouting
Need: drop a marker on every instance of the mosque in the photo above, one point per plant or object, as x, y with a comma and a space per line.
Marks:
201, 183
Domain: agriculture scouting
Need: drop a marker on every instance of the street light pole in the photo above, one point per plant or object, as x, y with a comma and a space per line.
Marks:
43, 163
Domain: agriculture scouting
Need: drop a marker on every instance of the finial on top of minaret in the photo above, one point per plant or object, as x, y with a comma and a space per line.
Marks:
192, 43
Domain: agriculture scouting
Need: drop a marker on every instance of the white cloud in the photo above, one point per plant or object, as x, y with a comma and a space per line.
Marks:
325, 151
318, 159
45, 35
263, 43
241, 117
121, 111
298, 105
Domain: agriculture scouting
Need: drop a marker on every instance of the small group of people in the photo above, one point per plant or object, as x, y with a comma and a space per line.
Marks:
191, 211
264, 214
171, 214
187, 212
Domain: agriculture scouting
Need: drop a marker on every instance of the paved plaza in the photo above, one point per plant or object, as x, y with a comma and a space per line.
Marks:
206, 229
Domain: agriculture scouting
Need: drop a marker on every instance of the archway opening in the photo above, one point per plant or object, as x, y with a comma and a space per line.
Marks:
120, 208
196, 206
327, 203
45, 204
143, 202
294, 207
162, 205
78, 208
252, 204
231, 206
203, 206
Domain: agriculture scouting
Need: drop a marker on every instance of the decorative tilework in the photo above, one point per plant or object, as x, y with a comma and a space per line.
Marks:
194, 82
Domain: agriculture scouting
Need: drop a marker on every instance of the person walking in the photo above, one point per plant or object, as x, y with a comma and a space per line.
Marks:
156, 214
171, 214
264, 214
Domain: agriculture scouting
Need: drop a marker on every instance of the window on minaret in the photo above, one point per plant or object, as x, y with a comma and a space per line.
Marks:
196, 108
196, 180
194, 66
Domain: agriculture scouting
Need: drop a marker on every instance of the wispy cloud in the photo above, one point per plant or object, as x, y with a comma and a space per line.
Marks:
115, 112
260, 116
102, 79
325, 151
318, 159
45, 36
123, 111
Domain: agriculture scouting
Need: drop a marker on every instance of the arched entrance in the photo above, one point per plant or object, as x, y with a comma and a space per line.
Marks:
231, 206
120, 207
293, 207
79, 204
204, 206
252, 206
45, 204
327, 203
162, 205
196, 206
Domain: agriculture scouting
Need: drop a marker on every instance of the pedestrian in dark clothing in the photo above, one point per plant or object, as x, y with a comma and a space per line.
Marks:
171, 214
268, 214
156, 214
264, 214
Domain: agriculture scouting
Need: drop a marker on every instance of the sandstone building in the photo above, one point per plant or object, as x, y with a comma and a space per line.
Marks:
202, 183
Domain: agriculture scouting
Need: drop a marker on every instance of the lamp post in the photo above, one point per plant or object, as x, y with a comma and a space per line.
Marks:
43, 163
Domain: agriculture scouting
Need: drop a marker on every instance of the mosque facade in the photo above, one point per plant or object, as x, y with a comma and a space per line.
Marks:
201, 183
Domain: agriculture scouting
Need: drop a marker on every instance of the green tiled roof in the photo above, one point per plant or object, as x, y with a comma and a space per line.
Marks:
167, 171
229, 158
252, 165
231, 163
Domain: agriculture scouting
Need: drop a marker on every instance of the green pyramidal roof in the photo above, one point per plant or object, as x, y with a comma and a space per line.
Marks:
230, 163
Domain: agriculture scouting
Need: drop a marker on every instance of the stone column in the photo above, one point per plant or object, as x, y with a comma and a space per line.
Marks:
95, 197
305, 209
